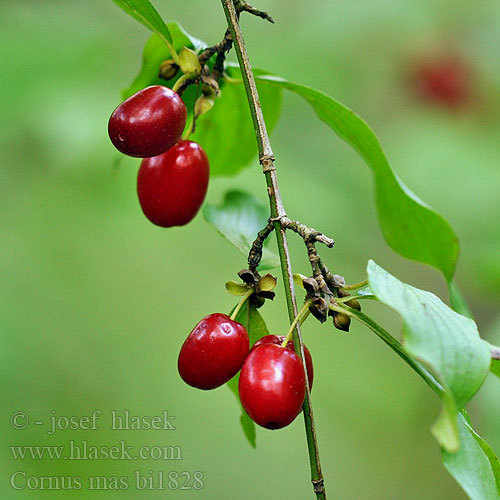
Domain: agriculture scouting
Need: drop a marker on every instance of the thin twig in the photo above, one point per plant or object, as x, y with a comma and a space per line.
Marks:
326, 281
334, 281
223, 47
242, 6
307, 233
255, 254
315, 260
266, 158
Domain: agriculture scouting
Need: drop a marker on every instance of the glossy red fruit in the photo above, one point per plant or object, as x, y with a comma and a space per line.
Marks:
172, 186
214, 352
272, 386
148, 123
444, 80
278, 340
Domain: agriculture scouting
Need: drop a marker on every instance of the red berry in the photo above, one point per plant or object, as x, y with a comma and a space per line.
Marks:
213, 352
148, 123
272, 386
172, 186
278, 340
444, 80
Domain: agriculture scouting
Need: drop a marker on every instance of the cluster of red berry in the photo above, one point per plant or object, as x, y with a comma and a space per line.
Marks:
272, 381
171, 184
173, 177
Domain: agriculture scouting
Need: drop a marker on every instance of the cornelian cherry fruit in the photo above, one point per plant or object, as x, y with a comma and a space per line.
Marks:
214, 352
445, 80
278, 340
148, 123
172, 186
272, 386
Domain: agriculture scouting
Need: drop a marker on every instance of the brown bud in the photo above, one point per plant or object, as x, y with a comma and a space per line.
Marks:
341, 321
354, 303
258, 301
248, 276
311, 286
168, 69
210, 87
205, 71
203, 105
266, 294
338, 281
319, 309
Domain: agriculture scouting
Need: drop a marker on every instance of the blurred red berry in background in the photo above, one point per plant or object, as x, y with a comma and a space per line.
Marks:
445, 80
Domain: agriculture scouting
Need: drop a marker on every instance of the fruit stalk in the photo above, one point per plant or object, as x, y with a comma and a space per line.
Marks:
266, 159
298, 318
240, 304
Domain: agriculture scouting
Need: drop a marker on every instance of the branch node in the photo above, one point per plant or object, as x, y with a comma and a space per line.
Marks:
319, 485
267, 162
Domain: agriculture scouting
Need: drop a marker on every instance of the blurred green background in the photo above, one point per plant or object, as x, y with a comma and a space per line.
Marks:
95, 301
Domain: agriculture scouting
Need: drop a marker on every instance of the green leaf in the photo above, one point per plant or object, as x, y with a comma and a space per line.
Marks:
155, 52
227, 133
249, 429
475, 466
238, 289
239, 218
468, 464
490, 454
457, 300
495, 367
298, 279
144, 12
445, 429
256, 327
443, 340
409, 226
251, 319
495, 362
